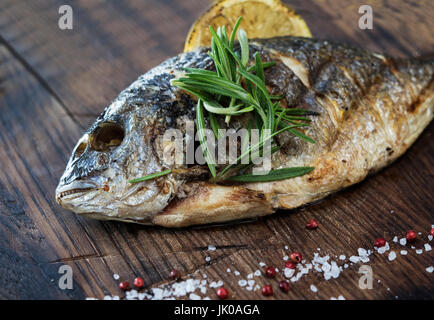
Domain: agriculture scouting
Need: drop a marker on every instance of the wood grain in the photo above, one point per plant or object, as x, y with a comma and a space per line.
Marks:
54, 83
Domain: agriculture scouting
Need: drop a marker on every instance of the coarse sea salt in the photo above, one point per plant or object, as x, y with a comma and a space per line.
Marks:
313, 288
211, 248
257, 273
419, 251
427, 247
242, 283
403, 241
395, 239
392, 255
383, 249
430, 269
216, 284
404, 252
208, 259
430, 237
116, 276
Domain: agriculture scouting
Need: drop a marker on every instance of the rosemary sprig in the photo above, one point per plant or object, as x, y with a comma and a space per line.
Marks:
236, 88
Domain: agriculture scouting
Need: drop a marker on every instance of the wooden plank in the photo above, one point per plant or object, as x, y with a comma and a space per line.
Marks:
54, 84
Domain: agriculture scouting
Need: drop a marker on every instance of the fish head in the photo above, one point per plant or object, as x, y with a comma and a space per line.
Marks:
123, 144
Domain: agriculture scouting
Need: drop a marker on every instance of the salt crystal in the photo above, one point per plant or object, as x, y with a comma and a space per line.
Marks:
216, 284
286, 248
354, 259
288, 273
257, 273
342, 257
419, 251
228, 270
211, 248
341, 298
345, 265
430, 237
262, 264
404, 252
384, 248
395, 239
242, 283
427, 247
237, 273
250, 276
392, 255
116, 276
403, 241
208, 259
285, 258
430, 269
194, 296
313, 288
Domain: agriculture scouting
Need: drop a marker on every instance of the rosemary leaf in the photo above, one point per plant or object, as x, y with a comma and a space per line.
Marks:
273, 175
151, 176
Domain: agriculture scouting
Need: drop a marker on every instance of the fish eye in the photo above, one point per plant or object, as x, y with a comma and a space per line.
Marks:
106, 136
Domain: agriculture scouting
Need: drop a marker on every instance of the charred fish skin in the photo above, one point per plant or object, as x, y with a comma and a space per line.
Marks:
372, 108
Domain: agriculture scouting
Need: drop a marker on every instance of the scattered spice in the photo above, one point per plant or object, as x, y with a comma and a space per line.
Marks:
270, 272
139, 283
296, 257
124, 285
411, 236
312, 224
222, 293
380, 242
284, 286
175, 275
267, 290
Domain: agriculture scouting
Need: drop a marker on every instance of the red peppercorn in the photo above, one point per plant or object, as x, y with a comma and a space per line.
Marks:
267, 290
284, 286
124, 285
270, 272
296, 257
222, 293
290, 265
312, 224
411, 236
174, 274
380, 242
139, 283
432, 232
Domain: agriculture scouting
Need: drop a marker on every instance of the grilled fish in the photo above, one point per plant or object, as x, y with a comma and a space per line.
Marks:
371, 109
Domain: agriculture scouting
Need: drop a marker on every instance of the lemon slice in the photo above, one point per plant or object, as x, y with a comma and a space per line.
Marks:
261, 19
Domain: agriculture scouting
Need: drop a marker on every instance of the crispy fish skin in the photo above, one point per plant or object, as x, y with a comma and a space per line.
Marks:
371, 109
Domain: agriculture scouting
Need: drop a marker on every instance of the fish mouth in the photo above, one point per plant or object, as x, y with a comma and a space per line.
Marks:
74, 188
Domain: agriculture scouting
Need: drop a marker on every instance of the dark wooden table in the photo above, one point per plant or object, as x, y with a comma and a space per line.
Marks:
53, 84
